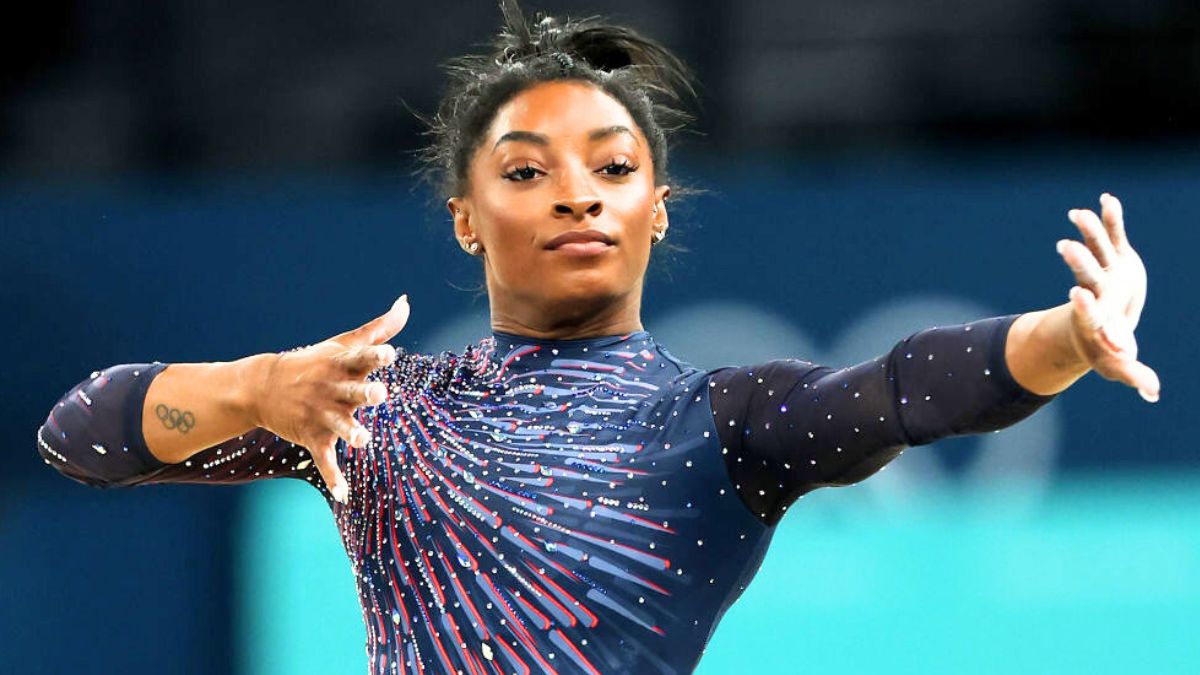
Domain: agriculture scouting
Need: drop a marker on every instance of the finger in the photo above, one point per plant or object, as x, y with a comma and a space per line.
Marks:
1141, 377
1083, 264
381, 328
1087, 308
347, 428
325, 457
1095, 235
1114, 220
359, 361
359, 393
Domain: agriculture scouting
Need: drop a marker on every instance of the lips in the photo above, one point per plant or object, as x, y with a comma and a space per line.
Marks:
579, 236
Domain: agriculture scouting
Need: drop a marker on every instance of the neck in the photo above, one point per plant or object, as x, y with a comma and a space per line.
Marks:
571, 319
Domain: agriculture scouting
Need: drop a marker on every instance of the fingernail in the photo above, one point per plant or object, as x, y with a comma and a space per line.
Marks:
1060, 245
1150, 398
404, 298
341, 493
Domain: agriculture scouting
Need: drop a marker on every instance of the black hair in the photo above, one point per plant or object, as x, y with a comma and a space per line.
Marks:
647, 79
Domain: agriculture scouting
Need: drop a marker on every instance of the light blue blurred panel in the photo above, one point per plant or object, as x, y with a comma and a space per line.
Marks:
299, 605
1102, 577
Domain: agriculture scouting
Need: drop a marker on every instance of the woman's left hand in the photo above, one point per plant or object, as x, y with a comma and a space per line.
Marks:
1107, 303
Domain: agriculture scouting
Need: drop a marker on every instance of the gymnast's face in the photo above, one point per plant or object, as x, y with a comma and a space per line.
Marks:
561, 156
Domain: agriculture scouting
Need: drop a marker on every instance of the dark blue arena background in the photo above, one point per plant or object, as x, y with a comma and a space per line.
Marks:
190, 182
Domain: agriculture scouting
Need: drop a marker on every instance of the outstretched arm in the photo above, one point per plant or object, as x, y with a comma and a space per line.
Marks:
268, 415
96, 433
120, 428
1051, 349
789, 426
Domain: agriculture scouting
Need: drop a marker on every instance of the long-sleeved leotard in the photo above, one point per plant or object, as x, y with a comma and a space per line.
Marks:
589, 505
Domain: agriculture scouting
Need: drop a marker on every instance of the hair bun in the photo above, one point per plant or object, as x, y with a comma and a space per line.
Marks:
602, 46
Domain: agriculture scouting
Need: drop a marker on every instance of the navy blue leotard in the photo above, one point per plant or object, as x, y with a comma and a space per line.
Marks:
573, 506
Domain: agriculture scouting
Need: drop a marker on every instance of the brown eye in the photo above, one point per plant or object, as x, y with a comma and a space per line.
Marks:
618, 168
522, 173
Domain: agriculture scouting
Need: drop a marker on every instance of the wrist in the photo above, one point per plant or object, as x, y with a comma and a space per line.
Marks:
250, 377
1059, 326
1041, 352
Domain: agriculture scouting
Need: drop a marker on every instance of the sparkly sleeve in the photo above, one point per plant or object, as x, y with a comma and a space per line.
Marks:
790, 426
93, 435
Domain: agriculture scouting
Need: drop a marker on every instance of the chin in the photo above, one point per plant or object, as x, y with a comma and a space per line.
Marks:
584, 290
573, 273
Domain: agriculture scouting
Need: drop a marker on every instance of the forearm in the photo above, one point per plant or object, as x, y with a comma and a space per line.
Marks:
192, 406
1039, 351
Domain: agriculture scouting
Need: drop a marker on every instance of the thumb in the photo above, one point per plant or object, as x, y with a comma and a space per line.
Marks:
380, 329
1145, 380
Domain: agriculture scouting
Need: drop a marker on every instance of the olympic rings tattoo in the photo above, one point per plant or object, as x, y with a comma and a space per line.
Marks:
173, 418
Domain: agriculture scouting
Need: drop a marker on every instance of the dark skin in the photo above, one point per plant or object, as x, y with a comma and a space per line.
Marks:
560, 156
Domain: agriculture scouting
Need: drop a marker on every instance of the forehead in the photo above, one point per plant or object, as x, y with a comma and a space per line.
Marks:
564, 109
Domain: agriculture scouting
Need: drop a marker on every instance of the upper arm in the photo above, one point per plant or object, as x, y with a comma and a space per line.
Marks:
789, 426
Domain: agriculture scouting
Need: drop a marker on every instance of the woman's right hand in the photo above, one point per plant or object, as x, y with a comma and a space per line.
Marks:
309, 396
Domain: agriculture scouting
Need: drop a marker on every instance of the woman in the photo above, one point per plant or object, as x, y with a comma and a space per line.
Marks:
566, 495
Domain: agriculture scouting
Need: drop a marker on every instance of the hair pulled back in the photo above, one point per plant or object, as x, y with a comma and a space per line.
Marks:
636, 71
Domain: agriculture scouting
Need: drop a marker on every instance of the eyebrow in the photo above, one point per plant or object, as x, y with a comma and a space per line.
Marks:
539, 139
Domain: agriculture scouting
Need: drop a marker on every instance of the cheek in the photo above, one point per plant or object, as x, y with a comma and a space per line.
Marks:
633, 204
508, 232
509, 224
634, 209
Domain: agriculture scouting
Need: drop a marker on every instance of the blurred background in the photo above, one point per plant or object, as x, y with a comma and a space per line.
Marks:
199, 181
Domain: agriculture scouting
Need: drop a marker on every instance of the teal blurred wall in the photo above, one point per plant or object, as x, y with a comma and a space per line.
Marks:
1103, 576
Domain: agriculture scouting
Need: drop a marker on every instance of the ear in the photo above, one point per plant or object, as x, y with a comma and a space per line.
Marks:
661, 192
461, 214
660, 200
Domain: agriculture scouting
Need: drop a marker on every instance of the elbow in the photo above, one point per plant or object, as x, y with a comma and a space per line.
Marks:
48, 454
60, 463
865, 467
85, 436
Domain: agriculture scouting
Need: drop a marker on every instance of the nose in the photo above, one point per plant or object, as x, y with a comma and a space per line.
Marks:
577, 207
